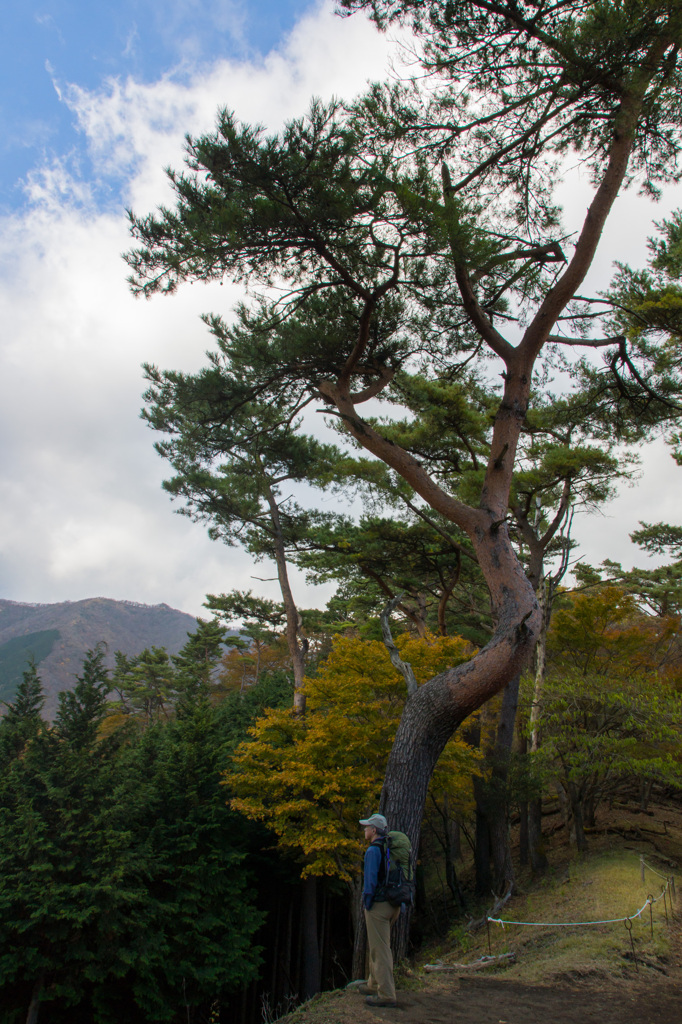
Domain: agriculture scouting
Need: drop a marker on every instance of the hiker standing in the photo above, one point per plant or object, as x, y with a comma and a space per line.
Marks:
379, 915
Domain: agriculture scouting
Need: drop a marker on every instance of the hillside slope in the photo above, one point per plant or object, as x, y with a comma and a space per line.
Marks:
57, 635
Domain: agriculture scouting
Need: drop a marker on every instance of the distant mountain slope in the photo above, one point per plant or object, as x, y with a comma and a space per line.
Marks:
15, 653
59, 634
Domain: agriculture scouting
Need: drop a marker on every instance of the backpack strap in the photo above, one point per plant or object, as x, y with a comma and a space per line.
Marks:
382, 843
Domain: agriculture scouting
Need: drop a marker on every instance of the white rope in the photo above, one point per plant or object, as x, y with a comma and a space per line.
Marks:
582, 924
649, 868
567, 924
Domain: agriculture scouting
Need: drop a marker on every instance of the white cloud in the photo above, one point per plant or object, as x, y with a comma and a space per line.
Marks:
83, 513
132, 40
652, 498
627, 228
135, 129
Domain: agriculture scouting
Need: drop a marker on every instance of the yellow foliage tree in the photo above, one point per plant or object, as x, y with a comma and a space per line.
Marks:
311, 779
243, 665
604, 632
609, 711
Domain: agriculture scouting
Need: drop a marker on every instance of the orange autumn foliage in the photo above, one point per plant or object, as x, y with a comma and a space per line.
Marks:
311, 779
242, 666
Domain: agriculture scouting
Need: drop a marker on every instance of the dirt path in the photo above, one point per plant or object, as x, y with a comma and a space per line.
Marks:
493, 1001
488, 1001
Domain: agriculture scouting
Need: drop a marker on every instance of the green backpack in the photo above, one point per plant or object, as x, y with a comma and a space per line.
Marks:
398, 870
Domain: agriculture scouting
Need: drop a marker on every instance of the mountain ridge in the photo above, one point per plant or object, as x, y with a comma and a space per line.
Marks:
122, 625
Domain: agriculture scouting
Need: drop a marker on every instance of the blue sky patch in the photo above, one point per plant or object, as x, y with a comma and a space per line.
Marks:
46, 46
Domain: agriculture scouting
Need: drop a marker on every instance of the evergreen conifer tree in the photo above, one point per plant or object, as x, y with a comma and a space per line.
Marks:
22, 719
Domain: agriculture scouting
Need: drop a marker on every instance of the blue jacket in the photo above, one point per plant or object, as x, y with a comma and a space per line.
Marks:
373, 865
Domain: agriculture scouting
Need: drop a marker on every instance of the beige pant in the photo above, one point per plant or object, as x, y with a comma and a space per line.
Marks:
379, 920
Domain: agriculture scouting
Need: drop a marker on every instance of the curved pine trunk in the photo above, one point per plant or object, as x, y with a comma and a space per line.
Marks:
433, 713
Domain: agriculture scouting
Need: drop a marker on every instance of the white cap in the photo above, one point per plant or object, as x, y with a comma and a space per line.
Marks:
377, 820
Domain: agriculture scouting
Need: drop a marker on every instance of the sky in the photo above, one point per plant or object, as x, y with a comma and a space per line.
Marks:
95, 100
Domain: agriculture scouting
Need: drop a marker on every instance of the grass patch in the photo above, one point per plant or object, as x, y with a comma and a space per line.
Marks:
597, 888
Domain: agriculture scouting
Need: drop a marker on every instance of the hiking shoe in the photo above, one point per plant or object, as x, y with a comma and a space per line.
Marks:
364, 989
378, 1001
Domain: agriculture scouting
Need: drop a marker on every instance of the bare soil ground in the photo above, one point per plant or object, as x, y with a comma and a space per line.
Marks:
496, 1001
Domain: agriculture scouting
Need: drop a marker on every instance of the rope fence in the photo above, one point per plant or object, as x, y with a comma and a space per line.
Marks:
666, 894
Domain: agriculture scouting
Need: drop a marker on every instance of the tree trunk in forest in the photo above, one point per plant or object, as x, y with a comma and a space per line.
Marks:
257, 671
359, 930
323, 934
536, 846
400, 936
492, 805
34, 1005
453, 884
359, 965
455, 839
451, 850
504, 877
290, 987
500, 848
483, 875
577, 832
536, 843
445, 596
523, 806
275, 950
420, 618
311, 974
645, 793
523, 833
565, 808
297, 650
589, 804
297, 953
